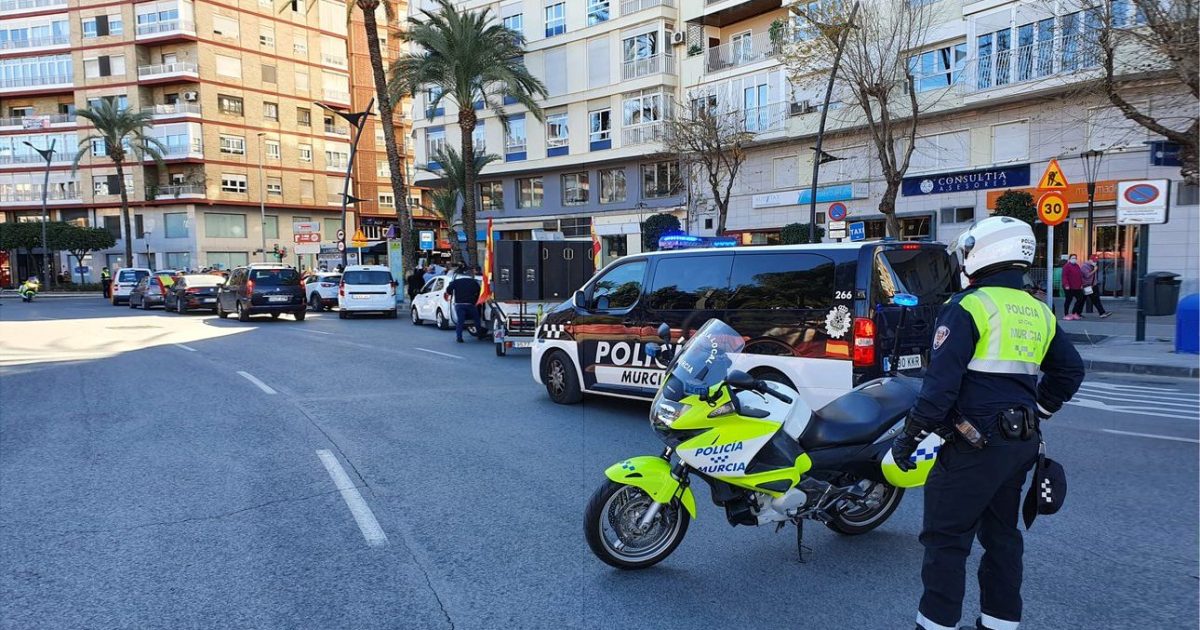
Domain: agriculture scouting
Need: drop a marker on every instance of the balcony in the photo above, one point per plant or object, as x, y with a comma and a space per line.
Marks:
1056, 58
9, 7
333, 60
722, 13
642, 134
337, 96
35, 196
166, 29
169, 71
173, 110
744, 51
336, 130
49, 41
180, 148
177, 191
767, 118
37, 122
658, 64
633, 6
37, 83
35, 159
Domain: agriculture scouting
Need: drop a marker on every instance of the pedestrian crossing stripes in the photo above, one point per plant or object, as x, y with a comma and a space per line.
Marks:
1179, 402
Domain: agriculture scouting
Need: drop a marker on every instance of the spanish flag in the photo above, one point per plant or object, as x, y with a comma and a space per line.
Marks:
596, 247
486, 293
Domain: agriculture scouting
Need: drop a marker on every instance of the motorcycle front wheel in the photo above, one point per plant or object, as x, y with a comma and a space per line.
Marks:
860, 518
611, 525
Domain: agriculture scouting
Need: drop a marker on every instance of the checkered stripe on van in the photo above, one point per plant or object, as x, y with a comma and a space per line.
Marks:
555, 331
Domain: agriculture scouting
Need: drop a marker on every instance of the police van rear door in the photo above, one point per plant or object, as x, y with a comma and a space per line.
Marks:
922, 269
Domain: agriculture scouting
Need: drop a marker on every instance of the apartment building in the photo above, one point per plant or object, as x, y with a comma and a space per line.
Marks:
612, 75
233, 87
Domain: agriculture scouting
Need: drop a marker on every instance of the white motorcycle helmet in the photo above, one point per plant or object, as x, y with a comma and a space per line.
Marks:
995, 243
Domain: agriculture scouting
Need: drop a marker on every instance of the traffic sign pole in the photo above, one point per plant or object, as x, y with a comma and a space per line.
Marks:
1050, 267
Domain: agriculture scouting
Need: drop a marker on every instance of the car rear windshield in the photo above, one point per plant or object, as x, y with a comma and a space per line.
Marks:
924, 272
367, 277
129, 275
275, 277
203, 280
327, 279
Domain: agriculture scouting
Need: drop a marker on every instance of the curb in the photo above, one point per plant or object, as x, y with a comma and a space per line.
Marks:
55, 296
1149, 369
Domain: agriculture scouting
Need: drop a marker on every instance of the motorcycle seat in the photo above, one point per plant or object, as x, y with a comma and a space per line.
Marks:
861, 415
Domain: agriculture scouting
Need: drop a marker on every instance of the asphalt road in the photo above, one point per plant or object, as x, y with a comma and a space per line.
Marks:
167, 471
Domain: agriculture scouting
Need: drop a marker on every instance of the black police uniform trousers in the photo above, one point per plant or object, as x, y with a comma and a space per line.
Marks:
975, 492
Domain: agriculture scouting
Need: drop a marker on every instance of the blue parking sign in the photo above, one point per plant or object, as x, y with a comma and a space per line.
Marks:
858, 231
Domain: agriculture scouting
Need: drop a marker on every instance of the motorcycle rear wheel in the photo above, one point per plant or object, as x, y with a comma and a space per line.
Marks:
855, 519
610, 523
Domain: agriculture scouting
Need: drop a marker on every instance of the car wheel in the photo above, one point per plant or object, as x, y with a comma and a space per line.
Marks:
558, 374
131, 304
221, 310
299, 315
242, 315
441, 321
391, 314
416, 319
343, 314
274, 315
314, 302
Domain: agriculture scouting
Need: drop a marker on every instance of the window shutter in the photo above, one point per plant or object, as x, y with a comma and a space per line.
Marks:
105, 67
113, 184
599, 74
101, 25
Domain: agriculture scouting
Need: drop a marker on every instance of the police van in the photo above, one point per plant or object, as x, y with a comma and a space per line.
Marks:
818, 318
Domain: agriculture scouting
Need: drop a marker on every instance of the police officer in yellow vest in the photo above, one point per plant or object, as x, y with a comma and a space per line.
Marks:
982, 392
106, 281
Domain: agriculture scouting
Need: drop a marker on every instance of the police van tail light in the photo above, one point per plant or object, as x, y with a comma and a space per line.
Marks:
864, 341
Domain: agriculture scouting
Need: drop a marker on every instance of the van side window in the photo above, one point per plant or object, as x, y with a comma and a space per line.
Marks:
619, 288
781, 281
690, 283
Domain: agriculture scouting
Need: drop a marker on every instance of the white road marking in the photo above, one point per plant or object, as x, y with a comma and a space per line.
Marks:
1150, 435
1095, 404
1131, 398
1101, 385
188, 348
444, 354
359, 509
319, 332
261, 385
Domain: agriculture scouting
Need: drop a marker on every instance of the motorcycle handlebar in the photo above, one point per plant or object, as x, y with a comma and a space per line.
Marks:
766, 389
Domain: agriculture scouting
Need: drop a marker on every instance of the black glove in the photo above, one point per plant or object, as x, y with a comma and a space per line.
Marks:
902, 451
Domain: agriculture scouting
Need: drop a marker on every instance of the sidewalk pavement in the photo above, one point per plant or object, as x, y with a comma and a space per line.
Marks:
1107, 345
12, 293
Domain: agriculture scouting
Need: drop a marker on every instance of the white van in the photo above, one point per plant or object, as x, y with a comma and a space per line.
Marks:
367, 289
123, 282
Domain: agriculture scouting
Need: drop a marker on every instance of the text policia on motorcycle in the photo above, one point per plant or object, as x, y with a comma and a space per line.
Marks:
982, 392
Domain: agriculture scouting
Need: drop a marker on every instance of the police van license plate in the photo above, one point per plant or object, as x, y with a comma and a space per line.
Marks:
278, 298
906, 362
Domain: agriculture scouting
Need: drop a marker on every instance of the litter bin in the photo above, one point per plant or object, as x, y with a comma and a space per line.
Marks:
1159, 293
1187, 325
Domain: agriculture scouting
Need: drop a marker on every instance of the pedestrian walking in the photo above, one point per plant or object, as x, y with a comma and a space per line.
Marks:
1091, 284
106, 281
415, 281
1072, 283
982, 392
465, 293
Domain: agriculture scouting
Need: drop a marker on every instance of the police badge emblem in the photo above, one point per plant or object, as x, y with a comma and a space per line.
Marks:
940, 336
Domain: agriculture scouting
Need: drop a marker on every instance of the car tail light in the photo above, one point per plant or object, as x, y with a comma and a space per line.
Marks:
342, 289
250, 286
864, 341
328, 285
191, 290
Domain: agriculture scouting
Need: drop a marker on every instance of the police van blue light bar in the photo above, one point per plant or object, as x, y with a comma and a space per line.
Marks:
687, 241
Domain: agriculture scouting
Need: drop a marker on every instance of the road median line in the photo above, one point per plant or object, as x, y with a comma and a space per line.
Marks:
363, 516
261, 385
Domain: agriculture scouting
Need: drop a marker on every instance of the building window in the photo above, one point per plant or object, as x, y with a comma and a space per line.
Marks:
387, 200
938, 68
576, 228
516, 23
225, 26
275, 186
104, 66
575, 189
227, 260
599, 125
271, 226
514, 137
303, 117
331, 228
660, 179
435, 141
302, 81
102, 26
300, 47
233, 182
556, 130
233, 145
612, 185
272, 149
231, 105
643, 108
305, 151
479, 137
556, 19
223, 225
179, 260
229, 66
958, 215
529, 192
113, 225
175, 224
307, 189
271, 111
491, 195
336, 159
268, 74
597, 11
266, 36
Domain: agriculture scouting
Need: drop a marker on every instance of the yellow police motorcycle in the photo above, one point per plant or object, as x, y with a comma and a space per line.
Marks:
766, 457
29, 289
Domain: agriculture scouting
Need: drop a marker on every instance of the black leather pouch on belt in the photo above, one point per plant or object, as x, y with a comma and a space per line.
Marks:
1018, 424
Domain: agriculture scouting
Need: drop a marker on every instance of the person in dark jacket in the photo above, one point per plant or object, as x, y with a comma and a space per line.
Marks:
991, 341
415, 282
464, 290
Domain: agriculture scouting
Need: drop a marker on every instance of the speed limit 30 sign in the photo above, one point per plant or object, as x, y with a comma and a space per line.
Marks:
1052, 208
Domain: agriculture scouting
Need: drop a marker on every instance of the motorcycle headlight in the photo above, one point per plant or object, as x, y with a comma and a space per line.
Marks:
666, 412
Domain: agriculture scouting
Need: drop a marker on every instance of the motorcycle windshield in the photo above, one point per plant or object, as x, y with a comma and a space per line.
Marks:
703, 362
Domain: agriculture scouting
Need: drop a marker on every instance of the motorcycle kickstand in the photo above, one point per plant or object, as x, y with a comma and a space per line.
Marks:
803, 551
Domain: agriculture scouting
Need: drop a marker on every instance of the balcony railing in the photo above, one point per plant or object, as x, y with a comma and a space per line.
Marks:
746, 50
173, 109
168, 26
37, 81
660, 63
337, 96
336, 130
764, 119
333, 60
181, 150
36, 42
37, 121
633, 6
30, 5
35, 158
642, 134
1031, 62
36, 196
175, 190
179, 67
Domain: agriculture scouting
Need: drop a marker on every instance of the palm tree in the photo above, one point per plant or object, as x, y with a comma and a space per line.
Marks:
473, 60
120, 132
453, 171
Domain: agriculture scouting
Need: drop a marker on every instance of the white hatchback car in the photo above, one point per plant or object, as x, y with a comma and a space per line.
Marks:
322, 290
367, 289
123, 282
431, 304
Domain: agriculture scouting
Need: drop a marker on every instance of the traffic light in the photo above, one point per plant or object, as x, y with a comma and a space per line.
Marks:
279, 252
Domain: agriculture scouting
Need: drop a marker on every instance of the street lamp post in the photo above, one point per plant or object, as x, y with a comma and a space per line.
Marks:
48, 155
820, 155
1091, 169
357, 120
262, 193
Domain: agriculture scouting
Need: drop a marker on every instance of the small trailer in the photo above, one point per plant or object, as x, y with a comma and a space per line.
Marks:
513, 323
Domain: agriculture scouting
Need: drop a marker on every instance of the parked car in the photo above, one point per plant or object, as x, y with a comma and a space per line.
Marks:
322, 290
262, 288
193, 291
431, 304
150, 291
124, 281
367, 289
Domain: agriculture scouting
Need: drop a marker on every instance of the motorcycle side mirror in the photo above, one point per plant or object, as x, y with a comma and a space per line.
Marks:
741, 380
664, 332
652, 350
904, 299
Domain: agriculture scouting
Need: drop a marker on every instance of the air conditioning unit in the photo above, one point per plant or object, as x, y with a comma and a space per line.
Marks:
191, 96
677, 37
802, 107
